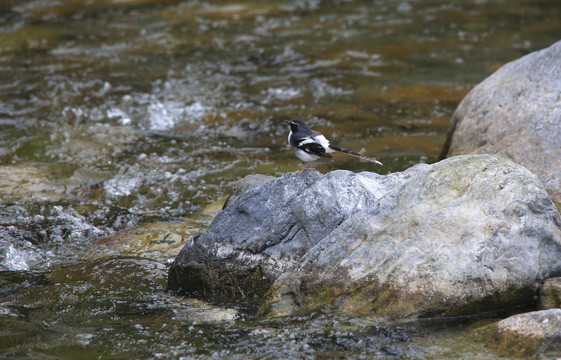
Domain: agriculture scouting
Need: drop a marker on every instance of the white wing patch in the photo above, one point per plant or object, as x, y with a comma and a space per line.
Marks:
306, 140
320, 139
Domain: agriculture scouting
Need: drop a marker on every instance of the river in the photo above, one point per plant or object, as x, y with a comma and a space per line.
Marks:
125, 123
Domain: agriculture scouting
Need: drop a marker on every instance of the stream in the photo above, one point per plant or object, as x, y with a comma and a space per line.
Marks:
125, 123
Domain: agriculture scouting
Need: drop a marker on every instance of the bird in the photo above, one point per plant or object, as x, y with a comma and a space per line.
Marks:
310, 145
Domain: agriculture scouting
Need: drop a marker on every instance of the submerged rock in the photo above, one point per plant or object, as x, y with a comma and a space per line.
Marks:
468, 234
197, 311
516, 114
22, 182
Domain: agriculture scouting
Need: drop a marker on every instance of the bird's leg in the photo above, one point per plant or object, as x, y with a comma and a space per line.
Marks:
308, 166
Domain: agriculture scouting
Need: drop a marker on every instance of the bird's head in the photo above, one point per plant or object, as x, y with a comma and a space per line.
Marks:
295, 125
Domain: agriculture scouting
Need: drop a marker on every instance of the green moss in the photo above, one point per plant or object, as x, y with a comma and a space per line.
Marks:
517, 345
323, 294
394, 304
374, 300
317, 299
507, 343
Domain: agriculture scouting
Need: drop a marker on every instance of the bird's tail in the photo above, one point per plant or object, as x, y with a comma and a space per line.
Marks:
337, 148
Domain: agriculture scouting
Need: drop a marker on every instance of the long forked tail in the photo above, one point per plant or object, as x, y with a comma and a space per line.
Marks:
337, 148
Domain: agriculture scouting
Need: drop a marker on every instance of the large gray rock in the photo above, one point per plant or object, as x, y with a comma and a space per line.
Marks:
465, 235
516, 113
468, 234
265, 231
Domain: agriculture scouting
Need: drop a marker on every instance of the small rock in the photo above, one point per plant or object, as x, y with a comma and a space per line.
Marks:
24, 182
200, 312
533, 333
550, 294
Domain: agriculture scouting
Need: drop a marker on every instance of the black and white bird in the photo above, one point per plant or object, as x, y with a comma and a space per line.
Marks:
310, 145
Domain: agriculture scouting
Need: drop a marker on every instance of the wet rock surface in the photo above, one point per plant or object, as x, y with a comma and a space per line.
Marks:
550, 294
515, 113
465, 235
535, 333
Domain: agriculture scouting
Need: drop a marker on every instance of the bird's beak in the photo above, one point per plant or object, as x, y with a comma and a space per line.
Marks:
288, 122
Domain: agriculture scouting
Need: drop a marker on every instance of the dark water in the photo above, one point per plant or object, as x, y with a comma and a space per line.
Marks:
140, 114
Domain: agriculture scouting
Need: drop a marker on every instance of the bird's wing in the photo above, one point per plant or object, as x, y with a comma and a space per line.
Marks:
310, 146
320, 139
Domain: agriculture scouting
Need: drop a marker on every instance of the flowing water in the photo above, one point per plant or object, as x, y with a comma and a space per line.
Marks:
124, 123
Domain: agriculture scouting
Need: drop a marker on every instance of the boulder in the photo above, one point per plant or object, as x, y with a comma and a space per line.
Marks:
468, 234
266, 230
515, 113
